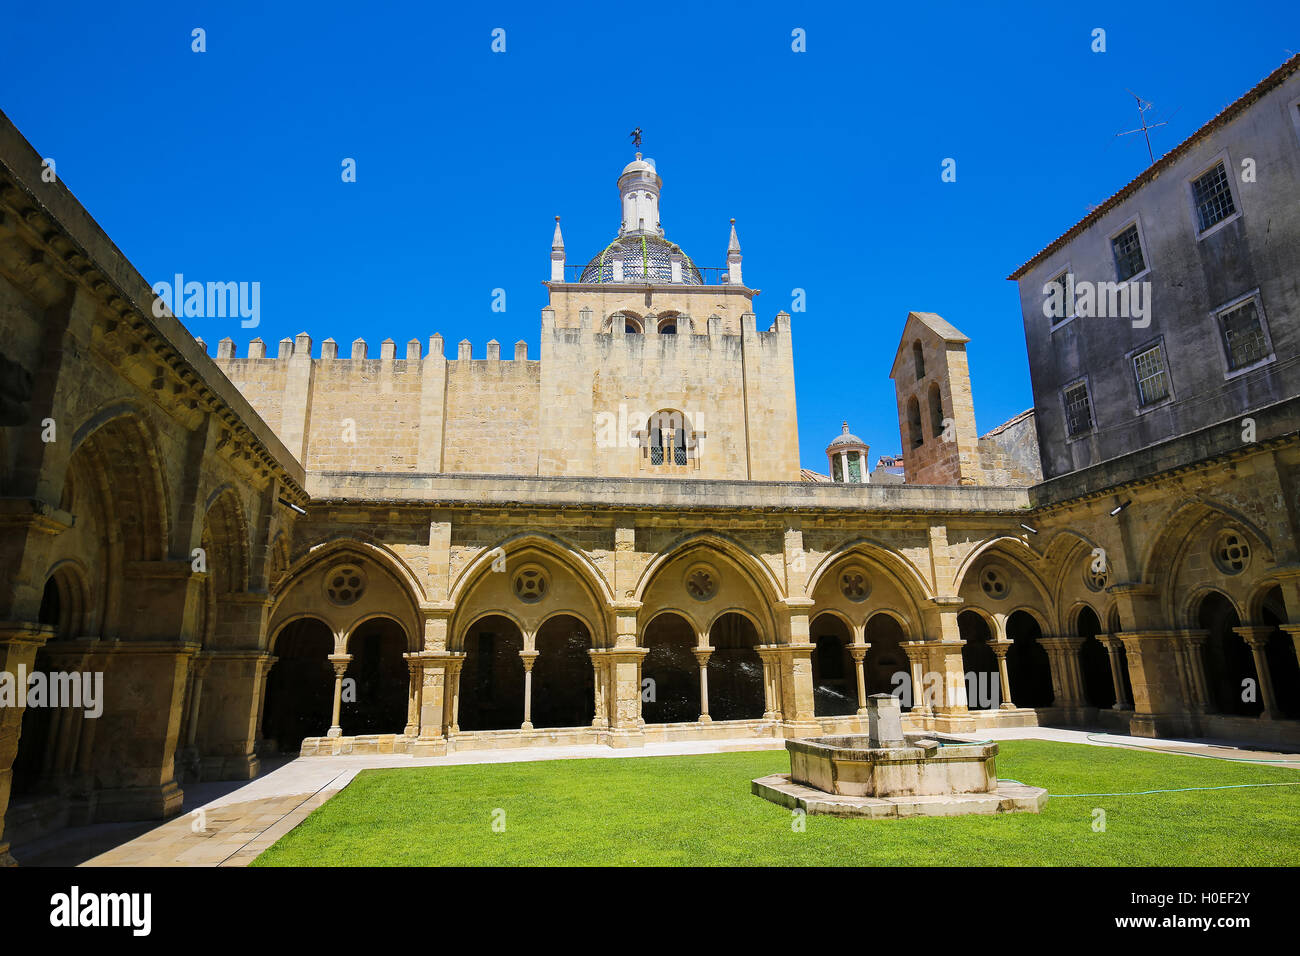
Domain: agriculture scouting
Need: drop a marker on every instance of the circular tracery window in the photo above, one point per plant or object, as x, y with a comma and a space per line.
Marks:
854, 584
531, 584
993, 582
701, 582
345, 584
1094, 580
1231, 552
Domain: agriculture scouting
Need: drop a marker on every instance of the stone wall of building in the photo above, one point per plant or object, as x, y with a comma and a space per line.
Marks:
1009, 453
574, 412
1190, 277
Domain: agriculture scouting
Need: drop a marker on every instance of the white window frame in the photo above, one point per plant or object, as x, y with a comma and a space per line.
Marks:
1065, 409
1052, 275
1142, 244
1131, 358
1217, 326
1230, 172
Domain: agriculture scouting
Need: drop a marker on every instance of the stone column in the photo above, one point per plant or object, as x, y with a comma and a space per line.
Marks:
196, 696
1000, 648
340, 663
1192, 659
623, 671
1067, 682
263, 665
451, 695
529, 658
1114, 646
917, 654
797, 697
599, 679
19, 642
771, 693
1161, 707
1294, 631
1257, 637
437, 698
859, 654
412, 728
702, 655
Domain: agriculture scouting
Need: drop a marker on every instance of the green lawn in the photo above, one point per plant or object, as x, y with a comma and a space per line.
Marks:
698, 810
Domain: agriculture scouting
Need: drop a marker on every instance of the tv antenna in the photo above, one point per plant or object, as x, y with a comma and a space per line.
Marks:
1145, 129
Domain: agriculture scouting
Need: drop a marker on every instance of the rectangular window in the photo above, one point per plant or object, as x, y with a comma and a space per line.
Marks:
1067, 308
1213, 197
1152, 381
1243, 336
1078, 410
1128, 253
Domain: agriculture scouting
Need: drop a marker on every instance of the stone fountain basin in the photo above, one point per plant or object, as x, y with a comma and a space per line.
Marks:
926, 764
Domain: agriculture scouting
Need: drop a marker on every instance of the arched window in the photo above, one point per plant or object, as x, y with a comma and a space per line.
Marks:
914, 422
918, 358
674, 323
631, 323
669, 438
936, 411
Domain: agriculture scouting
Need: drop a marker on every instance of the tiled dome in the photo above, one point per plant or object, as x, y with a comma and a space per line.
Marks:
645, 258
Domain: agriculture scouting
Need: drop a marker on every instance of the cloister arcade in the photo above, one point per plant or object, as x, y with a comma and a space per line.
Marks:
535, 641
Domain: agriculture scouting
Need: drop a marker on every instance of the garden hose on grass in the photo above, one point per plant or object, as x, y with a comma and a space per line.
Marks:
1181, 753
1184, 753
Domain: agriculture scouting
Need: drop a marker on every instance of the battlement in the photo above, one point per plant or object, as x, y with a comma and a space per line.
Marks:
301, 346
431, 412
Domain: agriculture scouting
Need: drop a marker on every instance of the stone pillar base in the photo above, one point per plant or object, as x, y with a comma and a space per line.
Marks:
429, 747
241, 767
962, 723
622, 738
1162, 725
800, 728
139, 803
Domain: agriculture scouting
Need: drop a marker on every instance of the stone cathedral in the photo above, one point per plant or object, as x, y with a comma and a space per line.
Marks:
317, 553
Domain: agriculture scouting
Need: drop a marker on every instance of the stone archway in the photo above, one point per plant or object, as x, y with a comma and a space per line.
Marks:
563, 678
978, 659
886, 666
672, 669
835, 685
1028, 666
31, 762
1228, 661
492, 679
735, 669
300, 687
382, 679
1094, 661
1283, 666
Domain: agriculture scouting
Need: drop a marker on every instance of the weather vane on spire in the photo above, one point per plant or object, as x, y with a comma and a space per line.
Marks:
636, 137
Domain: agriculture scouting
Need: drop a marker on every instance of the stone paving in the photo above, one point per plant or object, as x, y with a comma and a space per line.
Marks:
230, 824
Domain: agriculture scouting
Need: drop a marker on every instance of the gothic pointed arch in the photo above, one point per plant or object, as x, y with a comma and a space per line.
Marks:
345, 580
913, 584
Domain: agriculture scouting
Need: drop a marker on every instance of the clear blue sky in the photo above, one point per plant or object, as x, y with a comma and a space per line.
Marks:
225, 165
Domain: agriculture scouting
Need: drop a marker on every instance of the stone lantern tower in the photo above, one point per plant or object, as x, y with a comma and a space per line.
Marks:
846, 458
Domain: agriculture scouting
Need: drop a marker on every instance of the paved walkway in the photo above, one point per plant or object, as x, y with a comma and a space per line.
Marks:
231, 824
